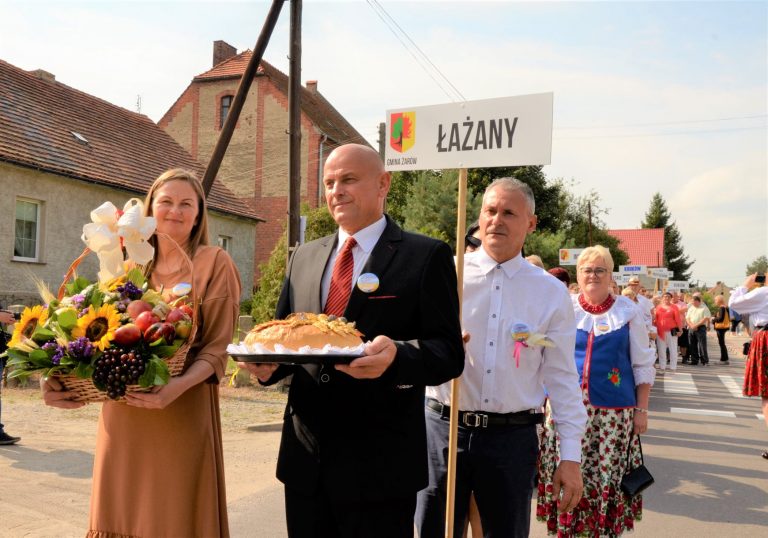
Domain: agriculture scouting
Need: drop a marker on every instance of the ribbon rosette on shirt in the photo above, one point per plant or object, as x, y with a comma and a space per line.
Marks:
112, 229
523, 337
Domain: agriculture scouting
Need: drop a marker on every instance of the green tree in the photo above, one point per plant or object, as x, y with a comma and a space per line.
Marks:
264, 303
399, 189
658, 217
574, 215
431, 205
758, 265
547, 245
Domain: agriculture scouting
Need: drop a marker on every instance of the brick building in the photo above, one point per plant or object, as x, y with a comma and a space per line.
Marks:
255, 166
62, 154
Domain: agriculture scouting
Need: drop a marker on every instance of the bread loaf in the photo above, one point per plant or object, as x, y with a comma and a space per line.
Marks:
305, 329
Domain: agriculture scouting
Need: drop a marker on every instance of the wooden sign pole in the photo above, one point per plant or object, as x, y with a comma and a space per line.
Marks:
453, 434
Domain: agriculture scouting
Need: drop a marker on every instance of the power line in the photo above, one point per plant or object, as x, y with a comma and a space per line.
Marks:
454, 94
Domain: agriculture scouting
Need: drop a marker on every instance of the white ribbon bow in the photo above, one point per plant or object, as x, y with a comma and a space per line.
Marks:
103, 236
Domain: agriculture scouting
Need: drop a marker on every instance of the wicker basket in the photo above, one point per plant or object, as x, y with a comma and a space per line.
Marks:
84, 390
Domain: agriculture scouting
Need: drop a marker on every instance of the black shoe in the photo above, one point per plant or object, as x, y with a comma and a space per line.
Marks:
765, 454
725, 363
6, 439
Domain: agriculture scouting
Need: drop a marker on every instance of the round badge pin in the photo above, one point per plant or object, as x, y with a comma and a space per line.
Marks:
602, 325
181, 289
368, 282
520, 332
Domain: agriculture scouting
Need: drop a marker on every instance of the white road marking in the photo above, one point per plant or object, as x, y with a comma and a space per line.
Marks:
733, 387
708, 412
680, 383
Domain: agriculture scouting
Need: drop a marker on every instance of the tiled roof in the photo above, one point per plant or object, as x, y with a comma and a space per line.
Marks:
119, 148
314, 105
644, 246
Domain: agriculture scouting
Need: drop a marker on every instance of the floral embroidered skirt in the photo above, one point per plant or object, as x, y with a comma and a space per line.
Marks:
756, 372
604, 510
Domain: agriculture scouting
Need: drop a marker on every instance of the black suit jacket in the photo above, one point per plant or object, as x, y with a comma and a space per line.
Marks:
366, 438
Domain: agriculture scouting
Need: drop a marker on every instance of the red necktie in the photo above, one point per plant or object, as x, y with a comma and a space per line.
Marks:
341, 280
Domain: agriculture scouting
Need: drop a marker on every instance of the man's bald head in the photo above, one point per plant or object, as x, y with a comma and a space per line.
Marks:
356, 186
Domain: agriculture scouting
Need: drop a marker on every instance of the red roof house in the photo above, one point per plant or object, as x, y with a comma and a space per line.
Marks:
255, 166
644, 246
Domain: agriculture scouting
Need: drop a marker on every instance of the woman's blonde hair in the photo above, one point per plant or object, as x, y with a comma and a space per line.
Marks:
592, 253
199, 234
629, 292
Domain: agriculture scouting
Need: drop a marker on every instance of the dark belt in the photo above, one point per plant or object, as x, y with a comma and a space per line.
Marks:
473, 419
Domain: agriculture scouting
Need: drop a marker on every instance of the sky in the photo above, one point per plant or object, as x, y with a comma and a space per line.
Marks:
668, 97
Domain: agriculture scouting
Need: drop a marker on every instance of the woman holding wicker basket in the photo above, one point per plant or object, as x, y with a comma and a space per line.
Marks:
158, 467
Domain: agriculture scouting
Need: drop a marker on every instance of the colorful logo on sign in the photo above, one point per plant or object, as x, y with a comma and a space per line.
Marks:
402, 131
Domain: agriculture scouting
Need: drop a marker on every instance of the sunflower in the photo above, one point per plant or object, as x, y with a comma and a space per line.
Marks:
98, 325
30, 319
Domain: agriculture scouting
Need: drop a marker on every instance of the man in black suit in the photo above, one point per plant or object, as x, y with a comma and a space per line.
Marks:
353, 450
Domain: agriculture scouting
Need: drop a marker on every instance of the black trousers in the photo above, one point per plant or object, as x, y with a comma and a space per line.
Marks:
683, 343
317, 516
497, 463
721, 343
699, 345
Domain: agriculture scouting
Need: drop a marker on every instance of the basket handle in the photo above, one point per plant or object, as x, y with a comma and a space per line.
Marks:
70, 272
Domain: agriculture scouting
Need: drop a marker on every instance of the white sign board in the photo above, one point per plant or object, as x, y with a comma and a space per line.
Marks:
568, 256
633, 269
678, 285
621, 279
508, 131
658, 272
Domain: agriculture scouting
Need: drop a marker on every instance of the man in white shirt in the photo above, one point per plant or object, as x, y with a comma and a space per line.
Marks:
645, 304
509, 306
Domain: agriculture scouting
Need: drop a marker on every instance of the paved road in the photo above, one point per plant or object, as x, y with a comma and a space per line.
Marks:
703, 449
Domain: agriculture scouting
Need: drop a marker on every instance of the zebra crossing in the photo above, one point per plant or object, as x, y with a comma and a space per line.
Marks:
684, 384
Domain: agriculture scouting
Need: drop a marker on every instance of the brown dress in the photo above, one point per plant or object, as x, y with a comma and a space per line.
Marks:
160, 473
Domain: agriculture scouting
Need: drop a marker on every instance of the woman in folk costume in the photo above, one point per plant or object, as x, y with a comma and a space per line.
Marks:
158, 466
616, 369
752, 298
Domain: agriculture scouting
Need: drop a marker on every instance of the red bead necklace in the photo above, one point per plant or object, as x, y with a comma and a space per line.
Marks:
602, 308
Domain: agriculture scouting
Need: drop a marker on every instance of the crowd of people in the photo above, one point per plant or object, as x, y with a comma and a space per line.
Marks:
555, 378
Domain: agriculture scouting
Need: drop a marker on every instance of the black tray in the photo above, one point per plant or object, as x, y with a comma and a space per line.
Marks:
293, 359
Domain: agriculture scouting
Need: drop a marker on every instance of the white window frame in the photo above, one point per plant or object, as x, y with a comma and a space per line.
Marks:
38, 224
225, 242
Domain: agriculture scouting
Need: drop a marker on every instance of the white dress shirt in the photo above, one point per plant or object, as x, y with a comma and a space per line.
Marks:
366, 240
754, 303
496, 298
646, 307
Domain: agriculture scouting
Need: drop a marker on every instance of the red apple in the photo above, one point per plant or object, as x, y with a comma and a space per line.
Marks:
127, 335
176, 315
156, 331
135, 308
187, 310
145, 319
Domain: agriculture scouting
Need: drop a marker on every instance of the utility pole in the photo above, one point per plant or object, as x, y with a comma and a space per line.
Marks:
589, 217
294, 128
242, 90
382, 140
